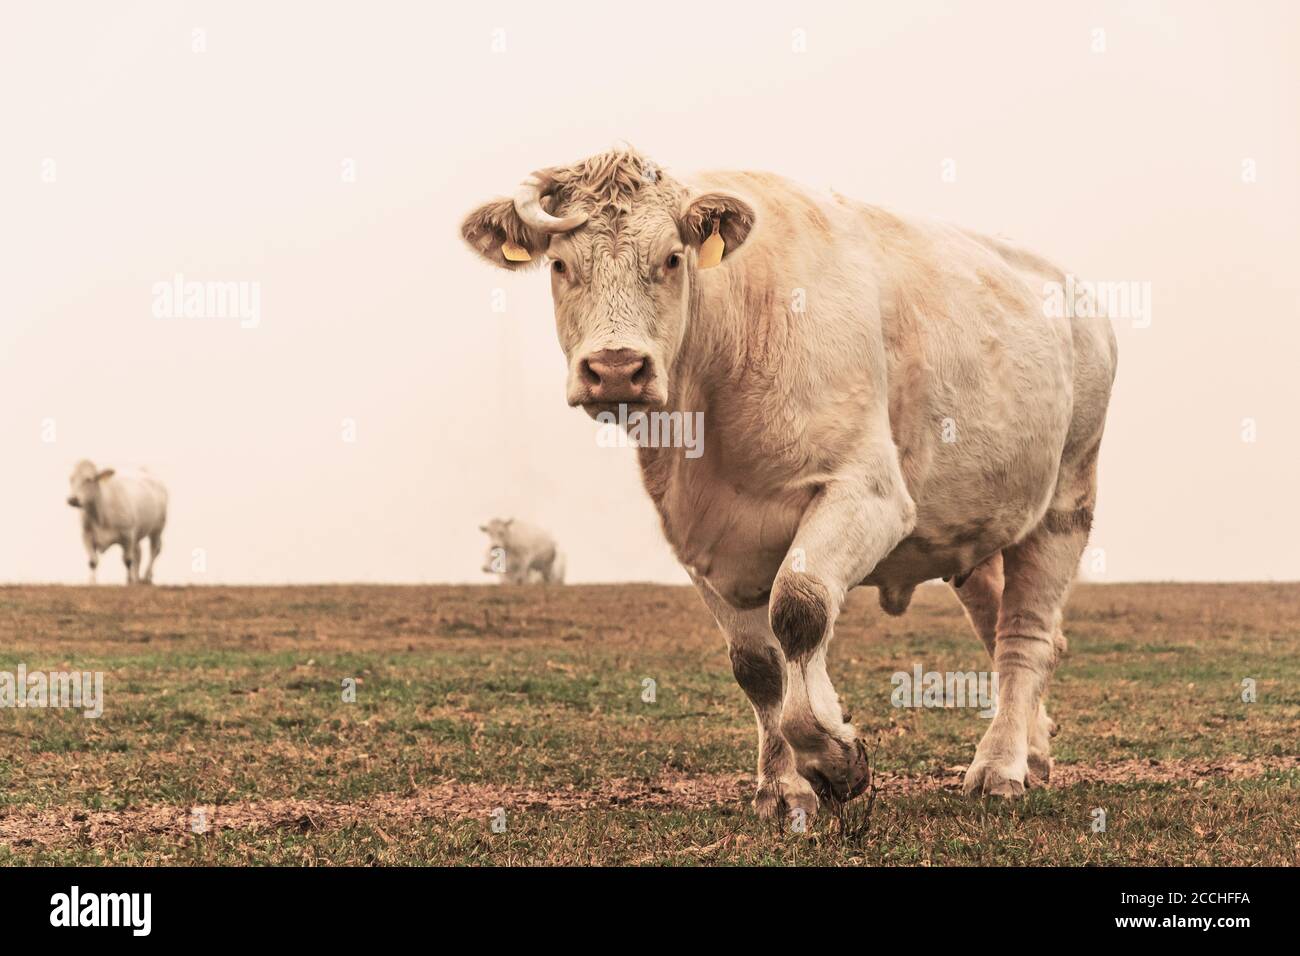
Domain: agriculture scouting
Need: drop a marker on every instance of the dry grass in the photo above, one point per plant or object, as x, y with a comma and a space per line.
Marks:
470, 698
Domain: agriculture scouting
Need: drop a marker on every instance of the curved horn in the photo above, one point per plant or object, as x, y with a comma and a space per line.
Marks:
528, 203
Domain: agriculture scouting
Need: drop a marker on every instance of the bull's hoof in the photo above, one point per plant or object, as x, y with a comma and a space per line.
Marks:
1040, 749
989, 778
860, 769
1040, 769
778, 797
840, 772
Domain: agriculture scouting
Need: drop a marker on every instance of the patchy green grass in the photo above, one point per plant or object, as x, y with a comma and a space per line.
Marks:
232, 697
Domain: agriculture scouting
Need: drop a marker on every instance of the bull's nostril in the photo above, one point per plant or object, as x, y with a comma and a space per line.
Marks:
588, 374
642, 373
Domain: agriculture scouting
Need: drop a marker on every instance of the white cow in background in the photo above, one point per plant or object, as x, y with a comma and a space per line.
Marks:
119, 509
522, 553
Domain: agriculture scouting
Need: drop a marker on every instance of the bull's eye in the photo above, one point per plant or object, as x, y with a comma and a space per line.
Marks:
557, 267
674, 260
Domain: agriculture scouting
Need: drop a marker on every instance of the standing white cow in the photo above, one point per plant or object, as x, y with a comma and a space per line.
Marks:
889, 400
119, 509
521, 553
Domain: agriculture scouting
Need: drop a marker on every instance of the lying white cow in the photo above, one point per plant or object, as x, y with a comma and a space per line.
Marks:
889, 400
522, 553
122, 510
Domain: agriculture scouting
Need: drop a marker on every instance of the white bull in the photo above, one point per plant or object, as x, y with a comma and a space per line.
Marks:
119, 509
888, 400
521, 553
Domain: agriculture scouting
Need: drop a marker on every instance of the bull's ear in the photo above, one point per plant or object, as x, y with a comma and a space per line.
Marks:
483, 528
713, 220
106, 473
495, 231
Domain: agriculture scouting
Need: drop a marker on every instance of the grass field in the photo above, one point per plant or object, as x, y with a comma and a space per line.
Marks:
229, 702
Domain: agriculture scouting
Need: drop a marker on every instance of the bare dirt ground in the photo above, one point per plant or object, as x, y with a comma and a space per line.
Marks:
225, 714
703, 792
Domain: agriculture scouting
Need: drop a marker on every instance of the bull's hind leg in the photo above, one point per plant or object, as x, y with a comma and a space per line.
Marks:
759, 666
1038, 572
980, 593
844, 534
155, 545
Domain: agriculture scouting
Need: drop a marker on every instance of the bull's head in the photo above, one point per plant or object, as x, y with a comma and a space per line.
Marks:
498, 531
623, 243
84, 484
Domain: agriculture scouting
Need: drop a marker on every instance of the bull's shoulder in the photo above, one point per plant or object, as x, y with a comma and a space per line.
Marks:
758, 183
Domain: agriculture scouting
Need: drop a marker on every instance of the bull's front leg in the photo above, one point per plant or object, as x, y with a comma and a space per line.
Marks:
760, 668
131, 558
92, 553
847, 530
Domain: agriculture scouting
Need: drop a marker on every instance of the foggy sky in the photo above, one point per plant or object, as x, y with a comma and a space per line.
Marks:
129, 158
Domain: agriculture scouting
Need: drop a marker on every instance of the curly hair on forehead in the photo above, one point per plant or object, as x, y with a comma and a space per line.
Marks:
610, 181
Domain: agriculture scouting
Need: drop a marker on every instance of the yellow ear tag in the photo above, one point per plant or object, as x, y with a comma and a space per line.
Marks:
514, 253
711, 249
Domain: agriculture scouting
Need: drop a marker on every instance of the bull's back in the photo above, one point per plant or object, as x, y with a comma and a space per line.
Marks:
530, 542
138, 503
